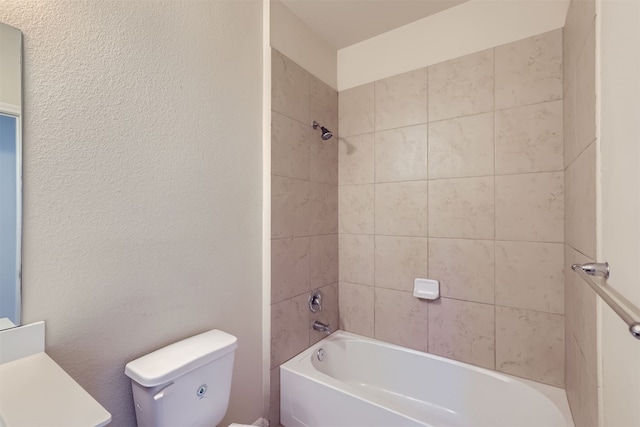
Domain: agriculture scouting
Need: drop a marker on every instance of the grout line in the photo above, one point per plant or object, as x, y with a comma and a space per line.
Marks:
426, 345
374, 210
290, 118
444, 178
501, 305
434, 237
496, 110
495, 311
581, 153
304, 179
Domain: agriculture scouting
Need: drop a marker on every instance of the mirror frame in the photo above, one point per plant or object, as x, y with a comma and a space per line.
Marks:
18, 113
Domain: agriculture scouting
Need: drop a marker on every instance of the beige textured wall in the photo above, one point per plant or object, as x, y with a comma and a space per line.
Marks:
618, 204
454, 172
304, 212
469, 27
142, 177
580, 209
293, 38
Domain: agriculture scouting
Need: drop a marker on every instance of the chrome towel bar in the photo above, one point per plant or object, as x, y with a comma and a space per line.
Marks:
601, 269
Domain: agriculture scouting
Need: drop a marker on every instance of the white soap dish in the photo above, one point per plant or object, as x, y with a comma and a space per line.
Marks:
428, 289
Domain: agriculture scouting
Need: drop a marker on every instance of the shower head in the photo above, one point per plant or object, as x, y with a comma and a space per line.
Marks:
326, 133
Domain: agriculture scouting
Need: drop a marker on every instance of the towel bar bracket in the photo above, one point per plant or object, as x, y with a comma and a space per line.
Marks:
601, 269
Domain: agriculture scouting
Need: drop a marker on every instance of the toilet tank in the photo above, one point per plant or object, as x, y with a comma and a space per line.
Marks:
185, 384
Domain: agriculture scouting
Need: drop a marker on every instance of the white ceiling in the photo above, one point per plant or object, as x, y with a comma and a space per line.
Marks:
345, 22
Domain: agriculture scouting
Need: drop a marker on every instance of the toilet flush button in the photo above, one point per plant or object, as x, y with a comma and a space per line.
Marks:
201, 391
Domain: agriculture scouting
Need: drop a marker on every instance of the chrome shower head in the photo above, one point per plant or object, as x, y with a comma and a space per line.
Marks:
326, 133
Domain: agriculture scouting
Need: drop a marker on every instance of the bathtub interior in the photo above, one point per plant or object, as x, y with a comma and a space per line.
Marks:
429, 388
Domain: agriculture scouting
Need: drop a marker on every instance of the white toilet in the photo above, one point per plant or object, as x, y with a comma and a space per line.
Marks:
185, 384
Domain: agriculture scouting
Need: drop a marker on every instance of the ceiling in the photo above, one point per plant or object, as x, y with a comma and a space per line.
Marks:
342, 23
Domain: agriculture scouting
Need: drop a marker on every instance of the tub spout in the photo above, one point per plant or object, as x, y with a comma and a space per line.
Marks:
319, 326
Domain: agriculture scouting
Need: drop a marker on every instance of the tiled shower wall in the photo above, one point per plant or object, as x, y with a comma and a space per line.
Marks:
304, 213
580, 209
455, 172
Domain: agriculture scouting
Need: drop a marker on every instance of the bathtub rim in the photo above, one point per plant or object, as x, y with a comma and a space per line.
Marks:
556, 395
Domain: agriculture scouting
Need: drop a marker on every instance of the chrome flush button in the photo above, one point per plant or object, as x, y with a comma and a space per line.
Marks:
201, 391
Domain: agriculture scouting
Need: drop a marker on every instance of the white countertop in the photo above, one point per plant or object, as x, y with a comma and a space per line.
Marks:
35, 391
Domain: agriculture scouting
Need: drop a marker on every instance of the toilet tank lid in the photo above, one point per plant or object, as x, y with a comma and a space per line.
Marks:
172, 361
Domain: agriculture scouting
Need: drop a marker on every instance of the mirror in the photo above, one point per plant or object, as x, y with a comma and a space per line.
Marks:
10, 174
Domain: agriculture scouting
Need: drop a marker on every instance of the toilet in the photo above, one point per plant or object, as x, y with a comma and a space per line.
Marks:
185, 384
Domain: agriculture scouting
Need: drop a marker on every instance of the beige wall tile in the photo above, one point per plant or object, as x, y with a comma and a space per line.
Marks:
357, 259
461, 208
581, 311
465, 268
530, 344
401, 100
356, 110
571, 149
580, 131
581, 386
401, 318
356, 209
585, 106
580, 202
289, 329
530, 207
289, 207
456, 150
529, 139
289, 147
461, 147
461, 86
304, 203
289, 88
401, 208
401, 154
356, 159
289, 268
323, 208
462, 330
323, 260
399, 260
356, 308
580, 21
529, 71
328, 315
274, 405
530, 275
323, 105
323, 159
324, 154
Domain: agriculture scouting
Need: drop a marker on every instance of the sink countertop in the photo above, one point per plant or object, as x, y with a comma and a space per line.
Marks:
35, 391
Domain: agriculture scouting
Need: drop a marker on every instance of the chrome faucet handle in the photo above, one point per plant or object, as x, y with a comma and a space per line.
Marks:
315, 301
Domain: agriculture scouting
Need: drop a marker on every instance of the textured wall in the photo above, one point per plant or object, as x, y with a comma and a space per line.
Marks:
304, 212
454, 172
142, 160
469, 27
293, 38
580, 209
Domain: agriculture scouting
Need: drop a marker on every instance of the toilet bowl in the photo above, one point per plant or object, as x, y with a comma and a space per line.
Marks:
187, 383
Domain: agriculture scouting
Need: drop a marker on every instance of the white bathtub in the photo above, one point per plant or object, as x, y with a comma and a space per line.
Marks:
366, 382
